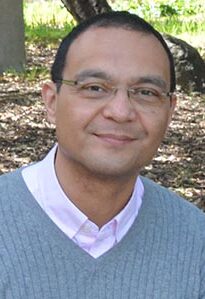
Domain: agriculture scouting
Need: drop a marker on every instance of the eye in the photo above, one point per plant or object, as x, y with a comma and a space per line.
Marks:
145, 92
93, 90
146, 95
94, 87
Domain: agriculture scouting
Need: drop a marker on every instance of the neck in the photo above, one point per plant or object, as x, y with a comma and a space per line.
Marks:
100, 198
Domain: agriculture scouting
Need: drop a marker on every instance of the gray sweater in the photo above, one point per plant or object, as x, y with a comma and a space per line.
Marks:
162, 255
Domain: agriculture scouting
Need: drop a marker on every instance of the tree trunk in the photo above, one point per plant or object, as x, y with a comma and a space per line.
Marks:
83, 9
190, 67
12, 51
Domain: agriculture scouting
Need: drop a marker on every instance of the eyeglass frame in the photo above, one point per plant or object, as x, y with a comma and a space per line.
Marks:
114, 88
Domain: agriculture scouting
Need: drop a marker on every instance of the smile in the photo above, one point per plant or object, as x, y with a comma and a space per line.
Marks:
114, 139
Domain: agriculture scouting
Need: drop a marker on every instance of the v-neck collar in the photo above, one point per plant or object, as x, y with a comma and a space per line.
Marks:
60, 240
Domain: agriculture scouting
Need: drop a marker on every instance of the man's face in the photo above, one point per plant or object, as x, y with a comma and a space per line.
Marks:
112, 137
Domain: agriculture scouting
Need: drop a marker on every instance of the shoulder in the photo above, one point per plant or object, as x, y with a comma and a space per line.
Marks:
11, 182
15, 198
177, 209
9, 176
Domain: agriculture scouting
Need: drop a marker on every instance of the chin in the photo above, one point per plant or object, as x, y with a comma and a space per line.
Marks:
110, 170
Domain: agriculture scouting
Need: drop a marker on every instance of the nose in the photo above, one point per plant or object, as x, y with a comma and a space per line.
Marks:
119, 107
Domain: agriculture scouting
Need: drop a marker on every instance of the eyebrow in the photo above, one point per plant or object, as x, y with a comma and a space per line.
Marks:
155, 80
92, 73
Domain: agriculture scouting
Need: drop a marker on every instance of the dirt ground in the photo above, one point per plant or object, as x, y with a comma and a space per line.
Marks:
25, 135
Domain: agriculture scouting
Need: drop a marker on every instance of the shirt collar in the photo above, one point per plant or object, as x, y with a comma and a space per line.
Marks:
57, 204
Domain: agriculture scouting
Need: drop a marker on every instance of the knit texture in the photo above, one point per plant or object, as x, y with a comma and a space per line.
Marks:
161, 257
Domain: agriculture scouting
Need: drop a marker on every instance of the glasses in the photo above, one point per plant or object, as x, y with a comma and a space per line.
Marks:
146, 96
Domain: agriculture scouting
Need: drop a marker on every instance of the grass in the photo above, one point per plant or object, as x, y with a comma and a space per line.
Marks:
49, 21
46, 21
45, 33
179, 25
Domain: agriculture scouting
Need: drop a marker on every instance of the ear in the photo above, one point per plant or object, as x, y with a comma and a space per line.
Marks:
49, 95
173, 102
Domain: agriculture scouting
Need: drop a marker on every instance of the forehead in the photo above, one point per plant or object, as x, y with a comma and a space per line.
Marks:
118, 51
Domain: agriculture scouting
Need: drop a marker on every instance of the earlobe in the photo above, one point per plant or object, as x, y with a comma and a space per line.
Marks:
49, 96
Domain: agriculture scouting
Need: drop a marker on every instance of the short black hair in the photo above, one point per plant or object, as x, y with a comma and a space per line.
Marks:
118, 19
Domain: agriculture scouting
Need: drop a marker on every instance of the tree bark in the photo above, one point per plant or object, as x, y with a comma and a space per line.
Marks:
12, 50
190, 70
83, 9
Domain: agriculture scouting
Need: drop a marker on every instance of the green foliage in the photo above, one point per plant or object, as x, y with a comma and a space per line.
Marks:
173, 17
45, 33
29, 74
167, 10
177, 26
52, 13
48, 21
155, 8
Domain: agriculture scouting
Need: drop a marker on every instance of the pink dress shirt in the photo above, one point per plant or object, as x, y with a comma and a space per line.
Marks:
42, 182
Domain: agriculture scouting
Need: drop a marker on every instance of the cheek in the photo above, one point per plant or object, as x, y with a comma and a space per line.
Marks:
72, 117
156, 125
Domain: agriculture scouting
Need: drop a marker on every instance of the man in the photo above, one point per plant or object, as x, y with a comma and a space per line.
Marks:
83, 223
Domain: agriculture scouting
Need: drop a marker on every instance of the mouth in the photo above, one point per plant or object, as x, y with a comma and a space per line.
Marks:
115, 139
